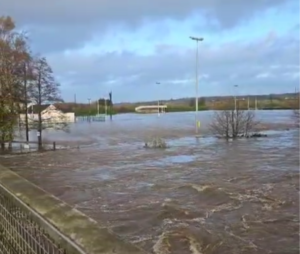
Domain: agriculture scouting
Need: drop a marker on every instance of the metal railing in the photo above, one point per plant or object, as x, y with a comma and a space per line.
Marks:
33, 221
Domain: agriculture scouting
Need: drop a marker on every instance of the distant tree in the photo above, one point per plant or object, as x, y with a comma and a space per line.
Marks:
43, 90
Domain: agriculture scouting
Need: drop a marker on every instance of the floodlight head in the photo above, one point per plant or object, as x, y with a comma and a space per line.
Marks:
196, 38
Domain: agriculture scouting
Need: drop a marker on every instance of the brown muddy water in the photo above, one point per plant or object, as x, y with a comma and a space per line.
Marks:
200, 196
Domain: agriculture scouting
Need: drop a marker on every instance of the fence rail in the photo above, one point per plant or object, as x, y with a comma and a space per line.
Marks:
35, 222
92, 118
23, 147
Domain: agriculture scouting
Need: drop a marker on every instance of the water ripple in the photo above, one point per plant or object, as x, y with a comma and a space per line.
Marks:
201, 195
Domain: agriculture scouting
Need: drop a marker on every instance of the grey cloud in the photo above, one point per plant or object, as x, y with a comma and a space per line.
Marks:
47, 39
134, 76
130, 11
74, 21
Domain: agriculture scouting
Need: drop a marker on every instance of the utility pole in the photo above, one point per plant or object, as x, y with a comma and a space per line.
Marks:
197, 39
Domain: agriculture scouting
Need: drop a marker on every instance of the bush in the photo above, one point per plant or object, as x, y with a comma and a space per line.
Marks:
156, 143
232, 124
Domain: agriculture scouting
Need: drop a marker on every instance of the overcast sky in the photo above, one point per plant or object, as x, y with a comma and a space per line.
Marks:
97, 46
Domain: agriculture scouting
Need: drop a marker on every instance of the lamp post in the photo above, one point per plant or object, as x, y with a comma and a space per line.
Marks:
197, 39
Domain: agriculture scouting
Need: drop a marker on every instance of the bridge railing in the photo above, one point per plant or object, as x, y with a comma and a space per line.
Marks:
35, 222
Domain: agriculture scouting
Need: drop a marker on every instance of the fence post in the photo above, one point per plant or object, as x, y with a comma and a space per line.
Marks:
54, 146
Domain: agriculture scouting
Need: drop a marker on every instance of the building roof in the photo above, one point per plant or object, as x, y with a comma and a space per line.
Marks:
39, 108
150, 107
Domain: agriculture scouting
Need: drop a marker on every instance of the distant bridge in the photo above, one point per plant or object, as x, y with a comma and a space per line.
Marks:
151, 108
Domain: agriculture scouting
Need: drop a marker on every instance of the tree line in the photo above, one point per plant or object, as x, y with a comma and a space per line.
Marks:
24, 77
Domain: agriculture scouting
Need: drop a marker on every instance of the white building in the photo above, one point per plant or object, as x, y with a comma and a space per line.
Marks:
53, 113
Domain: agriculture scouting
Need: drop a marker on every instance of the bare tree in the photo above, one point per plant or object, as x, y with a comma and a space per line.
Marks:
43, 90
233, 123
24, 73
25, 94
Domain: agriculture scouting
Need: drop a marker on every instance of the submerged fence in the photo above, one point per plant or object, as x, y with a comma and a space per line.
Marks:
35, 222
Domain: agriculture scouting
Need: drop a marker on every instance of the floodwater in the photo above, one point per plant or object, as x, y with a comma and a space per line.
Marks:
199, 196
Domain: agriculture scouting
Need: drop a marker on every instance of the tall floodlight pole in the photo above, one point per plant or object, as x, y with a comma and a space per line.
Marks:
89, 100
236, 86
197, 39
105, 106
158, 111
255, 103
98, 107
248, 103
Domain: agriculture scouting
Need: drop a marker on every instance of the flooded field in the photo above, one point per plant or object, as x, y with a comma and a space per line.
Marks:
200, 196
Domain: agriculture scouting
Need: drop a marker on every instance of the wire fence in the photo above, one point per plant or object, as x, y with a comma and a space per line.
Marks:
19, 231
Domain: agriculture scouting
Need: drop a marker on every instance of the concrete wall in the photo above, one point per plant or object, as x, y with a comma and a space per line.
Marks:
74, 225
